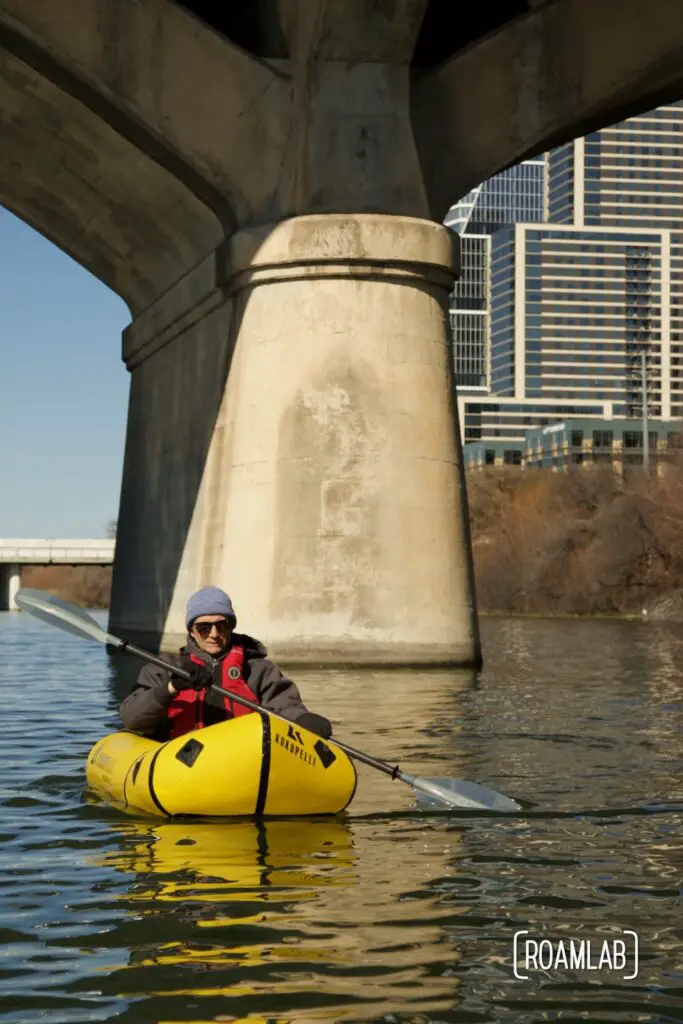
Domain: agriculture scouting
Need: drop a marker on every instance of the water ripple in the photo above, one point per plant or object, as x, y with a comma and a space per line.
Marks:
383, 914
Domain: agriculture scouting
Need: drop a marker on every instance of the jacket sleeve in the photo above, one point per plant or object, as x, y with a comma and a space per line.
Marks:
144, 709
275, 691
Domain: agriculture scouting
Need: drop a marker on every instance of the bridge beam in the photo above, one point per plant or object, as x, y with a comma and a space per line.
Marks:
566, 69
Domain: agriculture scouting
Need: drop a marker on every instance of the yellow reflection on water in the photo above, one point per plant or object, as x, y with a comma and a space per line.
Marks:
349, 912
233, 859
292, 908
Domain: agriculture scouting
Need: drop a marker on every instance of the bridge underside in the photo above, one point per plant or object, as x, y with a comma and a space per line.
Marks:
264, 192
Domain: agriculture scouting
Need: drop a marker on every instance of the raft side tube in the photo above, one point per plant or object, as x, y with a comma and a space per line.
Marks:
251, 765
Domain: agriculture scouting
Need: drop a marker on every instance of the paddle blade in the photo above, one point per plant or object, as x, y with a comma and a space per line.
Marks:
435, 794
63, 614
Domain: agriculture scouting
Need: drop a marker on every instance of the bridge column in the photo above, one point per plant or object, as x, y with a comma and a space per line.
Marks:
11, 581
292, 432
319, 480
337, 517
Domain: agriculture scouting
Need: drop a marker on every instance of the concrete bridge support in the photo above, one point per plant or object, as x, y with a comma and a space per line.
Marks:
10, 581
271, 216
311, 410
292, 430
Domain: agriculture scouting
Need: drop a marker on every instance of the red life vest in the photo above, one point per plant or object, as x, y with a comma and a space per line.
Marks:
186, 710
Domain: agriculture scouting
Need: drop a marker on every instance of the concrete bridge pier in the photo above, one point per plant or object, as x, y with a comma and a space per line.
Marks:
293, 437
292, 429
340, 523
10, 582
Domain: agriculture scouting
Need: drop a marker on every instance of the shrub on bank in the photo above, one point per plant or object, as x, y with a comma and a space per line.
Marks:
88, 586
583, 542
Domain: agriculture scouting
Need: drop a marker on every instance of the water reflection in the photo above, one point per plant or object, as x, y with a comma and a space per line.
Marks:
123, 672
234, 856
291, 909
568, 709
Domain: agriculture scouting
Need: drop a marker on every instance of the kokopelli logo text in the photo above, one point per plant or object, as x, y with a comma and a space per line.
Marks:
614, 956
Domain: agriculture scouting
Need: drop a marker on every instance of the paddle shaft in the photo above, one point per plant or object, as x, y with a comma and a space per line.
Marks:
447, 792
358, 755
382, 766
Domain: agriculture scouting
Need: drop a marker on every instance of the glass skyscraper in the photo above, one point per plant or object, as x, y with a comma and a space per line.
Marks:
512, 196
572, 310
576, 301
627, 176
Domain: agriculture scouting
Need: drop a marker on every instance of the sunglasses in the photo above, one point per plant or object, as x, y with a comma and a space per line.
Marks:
203, 629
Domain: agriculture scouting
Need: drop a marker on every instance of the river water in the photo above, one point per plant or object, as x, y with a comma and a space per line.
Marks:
386, 913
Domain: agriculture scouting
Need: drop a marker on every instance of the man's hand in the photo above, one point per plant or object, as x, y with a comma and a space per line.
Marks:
315, 723
201, 678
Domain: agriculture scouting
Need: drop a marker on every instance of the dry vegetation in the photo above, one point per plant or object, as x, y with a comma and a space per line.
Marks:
584, 542
85, 585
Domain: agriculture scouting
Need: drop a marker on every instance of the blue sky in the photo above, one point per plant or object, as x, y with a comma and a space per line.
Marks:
63, 391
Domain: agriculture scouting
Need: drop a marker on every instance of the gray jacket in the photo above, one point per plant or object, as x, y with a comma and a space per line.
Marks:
145, 708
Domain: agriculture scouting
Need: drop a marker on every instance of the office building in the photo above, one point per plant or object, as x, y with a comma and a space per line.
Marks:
627, 175
572, 311
515, 195
630, 175
506, 421
577, 301
582, 442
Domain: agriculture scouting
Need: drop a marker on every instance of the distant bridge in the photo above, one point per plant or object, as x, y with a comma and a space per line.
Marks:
16, 553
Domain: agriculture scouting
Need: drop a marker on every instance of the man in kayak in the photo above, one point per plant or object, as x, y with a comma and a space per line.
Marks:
162, 705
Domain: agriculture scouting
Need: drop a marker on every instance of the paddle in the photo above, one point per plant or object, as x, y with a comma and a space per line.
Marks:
431, 793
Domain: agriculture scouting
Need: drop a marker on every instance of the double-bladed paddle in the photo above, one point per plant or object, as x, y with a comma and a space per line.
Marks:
431, 793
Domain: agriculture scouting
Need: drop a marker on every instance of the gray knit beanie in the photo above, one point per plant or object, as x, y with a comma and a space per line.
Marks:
209, 601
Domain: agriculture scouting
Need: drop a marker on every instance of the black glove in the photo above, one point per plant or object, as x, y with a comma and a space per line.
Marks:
201, 678
316, 724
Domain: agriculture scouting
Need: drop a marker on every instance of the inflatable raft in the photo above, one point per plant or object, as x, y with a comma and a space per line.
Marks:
253, 765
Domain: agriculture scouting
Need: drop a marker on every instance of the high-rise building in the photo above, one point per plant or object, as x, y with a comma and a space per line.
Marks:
577, 301
572, 310
514, 195
627, 176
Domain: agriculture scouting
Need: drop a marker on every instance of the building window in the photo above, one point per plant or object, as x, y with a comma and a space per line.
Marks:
512, 457
602, 438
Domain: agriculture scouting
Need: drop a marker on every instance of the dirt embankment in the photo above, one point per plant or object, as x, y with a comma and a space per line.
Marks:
586, 542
